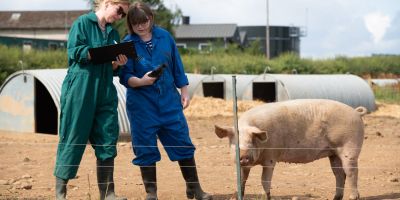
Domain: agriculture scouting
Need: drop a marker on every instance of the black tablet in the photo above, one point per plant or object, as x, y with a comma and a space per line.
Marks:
156, 73
110, 52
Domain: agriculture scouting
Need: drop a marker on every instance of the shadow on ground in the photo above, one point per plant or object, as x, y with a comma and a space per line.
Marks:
263, 197
391, 196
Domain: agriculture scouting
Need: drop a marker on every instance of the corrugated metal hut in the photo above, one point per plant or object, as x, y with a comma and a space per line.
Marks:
346, 88
384, 82
30, 101
195, 81
220, 86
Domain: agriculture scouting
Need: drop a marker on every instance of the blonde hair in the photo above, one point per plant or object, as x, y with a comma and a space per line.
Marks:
139, 13
97, 3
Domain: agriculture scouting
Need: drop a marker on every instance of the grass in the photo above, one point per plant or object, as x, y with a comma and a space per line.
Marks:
387, 94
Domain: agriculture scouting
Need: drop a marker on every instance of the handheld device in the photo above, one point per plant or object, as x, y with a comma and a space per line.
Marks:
156, 73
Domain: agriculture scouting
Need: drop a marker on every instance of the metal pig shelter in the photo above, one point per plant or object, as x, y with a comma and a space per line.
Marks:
30, 99
345, 88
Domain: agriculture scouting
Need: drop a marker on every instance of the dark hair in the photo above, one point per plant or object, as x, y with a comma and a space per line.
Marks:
139, 13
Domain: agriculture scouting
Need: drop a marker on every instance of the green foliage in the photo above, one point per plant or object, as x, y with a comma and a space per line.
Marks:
10, 58
8, 61
254, 48
223, 62
232, 60
388, 94
290, 63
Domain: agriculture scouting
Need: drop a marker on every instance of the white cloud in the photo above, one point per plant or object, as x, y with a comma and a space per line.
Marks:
377, 24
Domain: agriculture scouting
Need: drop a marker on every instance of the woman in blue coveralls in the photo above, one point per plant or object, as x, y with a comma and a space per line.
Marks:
154, 106
89, 99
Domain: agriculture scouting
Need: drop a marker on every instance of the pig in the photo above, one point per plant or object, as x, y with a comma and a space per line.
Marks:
299, 131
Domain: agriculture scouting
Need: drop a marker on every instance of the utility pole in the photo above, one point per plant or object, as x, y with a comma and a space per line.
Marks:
267, 49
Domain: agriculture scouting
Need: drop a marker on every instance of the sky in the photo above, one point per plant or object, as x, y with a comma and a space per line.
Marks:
333, 27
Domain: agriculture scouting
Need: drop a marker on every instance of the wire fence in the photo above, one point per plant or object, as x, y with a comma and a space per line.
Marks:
8, 189
38, 144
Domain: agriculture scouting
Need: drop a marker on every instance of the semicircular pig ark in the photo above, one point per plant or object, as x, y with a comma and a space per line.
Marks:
300, 131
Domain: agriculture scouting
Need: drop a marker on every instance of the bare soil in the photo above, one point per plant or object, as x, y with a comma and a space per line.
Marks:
27, 163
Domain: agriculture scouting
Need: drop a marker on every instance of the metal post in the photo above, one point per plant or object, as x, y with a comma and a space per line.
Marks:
212, 72
235, 117
267, 49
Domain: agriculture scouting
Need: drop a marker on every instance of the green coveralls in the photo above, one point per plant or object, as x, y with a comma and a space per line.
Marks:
88, 99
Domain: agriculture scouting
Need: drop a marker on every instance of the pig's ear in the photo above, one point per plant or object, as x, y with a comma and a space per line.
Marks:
223, 131
259, 134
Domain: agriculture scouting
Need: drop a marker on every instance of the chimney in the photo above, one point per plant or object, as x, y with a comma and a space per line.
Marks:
185, 20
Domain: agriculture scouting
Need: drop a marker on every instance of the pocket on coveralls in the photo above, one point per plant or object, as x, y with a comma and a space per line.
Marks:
65, 91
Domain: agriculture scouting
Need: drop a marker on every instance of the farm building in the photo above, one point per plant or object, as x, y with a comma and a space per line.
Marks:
30, 99
37, 29
49, 30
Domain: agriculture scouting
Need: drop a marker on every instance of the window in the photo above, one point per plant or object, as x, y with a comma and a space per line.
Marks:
53, 46
181, 45
27, 45
15, 16
205, 47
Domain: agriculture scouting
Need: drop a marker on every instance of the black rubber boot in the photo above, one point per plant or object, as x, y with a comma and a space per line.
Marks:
105, 180
149, 176
193, 188
61, 188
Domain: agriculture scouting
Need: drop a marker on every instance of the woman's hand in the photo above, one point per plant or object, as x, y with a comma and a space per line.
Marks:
147, 80
138, 82
121, 60
185, 99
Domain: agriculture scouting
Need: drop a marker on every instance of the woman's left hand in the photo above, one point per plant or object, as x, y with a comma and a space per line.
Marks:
185, 99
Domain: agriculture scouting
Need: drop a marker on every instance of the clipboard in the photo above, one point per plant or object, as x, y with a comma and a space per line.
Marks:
109, 53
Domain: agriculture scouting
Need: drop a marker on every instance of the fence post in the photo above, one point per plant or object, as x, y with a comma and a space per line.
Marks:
235, 116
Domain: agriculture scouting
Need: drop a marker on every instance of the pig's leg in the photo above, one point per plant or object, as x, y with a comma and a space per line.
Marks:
350, 167
245, 171
266, 177
245, 175
337, 168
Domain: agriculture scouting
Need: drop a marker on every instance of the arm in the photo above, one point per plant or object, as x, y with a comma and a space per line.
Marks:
178, 71
180, 78
78, 48
128, 79
138, 82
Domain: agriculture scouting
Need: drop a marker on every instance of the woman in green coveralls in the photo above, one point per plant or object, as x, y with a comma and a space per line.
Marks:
89, 99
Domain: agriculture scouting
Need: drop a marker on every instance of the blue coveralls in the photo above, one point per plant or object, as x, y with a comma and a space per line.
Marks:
156, 110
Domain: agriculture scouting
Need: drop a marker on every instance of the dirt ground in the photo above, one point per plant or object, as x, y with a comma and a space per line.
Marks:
27, 163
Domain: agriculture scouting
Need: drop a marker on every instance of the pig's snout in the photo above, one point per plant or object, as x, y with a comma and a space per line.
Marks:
244, 160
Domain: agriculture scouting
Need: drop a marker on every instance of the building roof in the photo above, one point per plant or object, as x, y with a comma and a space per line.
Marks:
38, 19
205, 31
